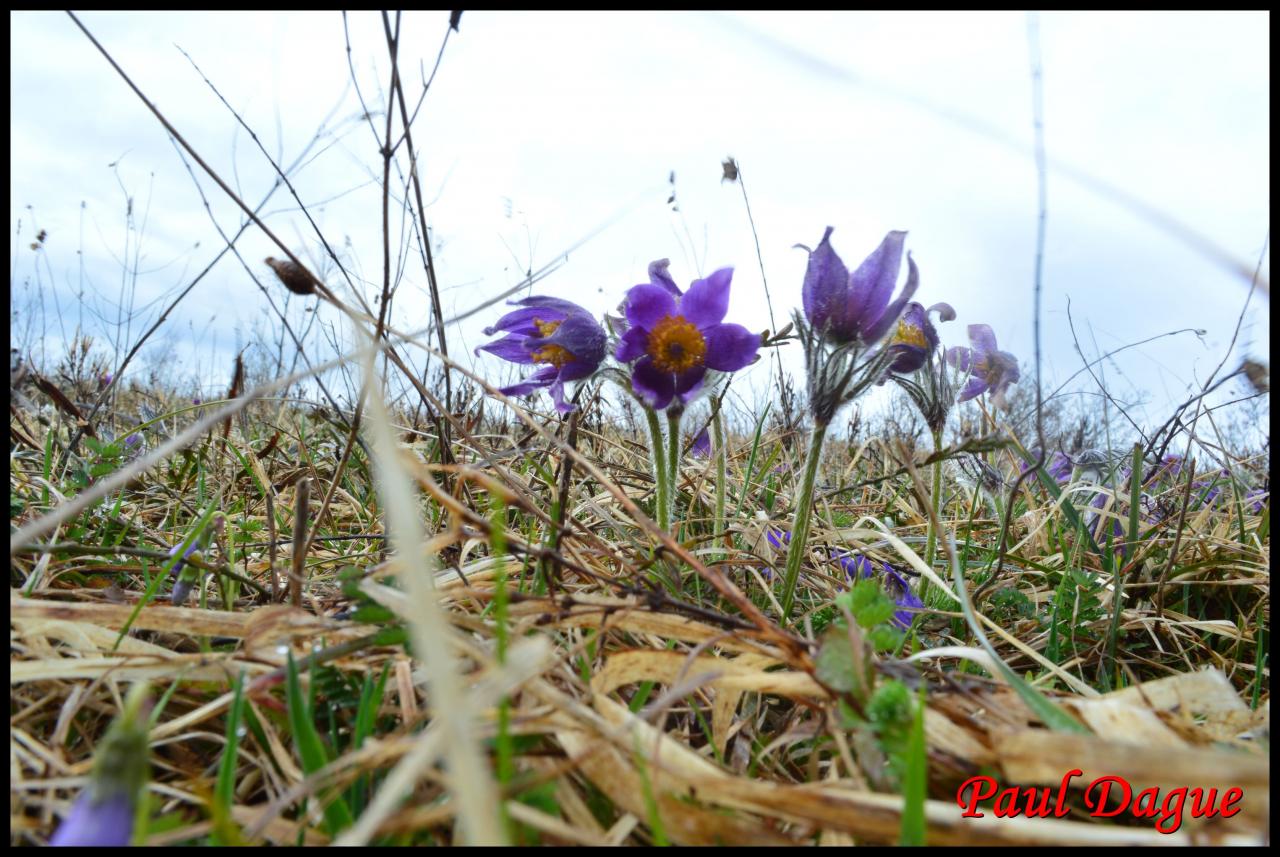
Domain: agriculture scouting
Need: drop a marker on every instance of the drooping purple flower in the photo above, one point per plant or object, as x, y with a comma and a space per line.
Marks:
988, 367
673, 338
555, 332
855, 308
856, 566
702, 444
915, 337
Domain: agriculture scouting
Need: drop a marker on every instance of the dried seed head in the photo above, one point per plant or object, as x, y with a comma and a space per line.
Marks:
296, 278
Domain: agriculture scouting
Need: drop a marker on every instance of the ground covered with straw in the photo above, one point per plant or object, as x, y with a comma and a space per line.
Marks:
470, 629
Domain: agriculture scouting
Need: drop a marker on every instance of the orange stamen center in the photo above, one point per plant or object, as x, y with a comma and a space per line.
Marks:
556, 355
675, 345
910, 334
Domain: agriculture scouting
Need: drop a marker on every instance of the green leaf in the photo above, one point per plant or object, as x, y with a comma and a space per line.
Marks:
915, 782
311, 750
835, 664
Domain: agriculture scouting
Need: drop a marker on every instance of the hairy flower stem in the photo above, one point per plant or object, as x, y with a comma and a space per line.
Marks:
935, 498
722, 464
674, 413
800, 526
658, 458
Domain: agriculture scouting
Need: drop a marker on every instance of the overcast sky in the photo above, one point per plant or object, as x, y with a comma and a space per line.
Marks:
539, 129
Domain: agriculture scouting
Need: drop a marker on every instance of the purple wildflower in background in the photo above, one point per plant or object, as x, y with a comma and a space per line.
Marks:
183, 583
1058, 466
702, 444
548, 330
1256, 499
856, 566
778, 538
853, 308
673, 338
989, 368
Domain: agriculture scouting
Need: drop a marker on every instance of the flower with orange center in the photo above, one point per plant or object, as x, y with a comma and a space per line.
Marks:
672, 339
556, 355
557, 333
915, 337
676, 345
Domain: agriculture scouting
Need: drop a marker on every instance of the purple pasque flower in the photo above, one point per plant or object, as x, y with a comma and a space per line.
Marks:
989, 368
855, 308
857, 566
915, 337
673, 338
555, 332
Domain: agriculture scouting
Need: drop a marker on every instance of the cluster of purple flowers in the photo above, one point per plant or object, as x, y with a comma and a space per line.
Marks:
669, 339
857, 567
857, 334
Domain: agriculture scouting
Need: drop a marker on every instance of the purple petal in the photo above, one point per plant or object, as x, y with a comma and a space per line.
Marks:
659, 277
106, 822
648, 304
521, 322
909, 358
976, 387
707, 300
959, 357
509, 348
542, 378
702, 444
871, 285
982, 337
578, 334
730, 347
689, 384
559, 307
944, 311
873, 332
655, 388
826, 285
631, 345
557, 396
